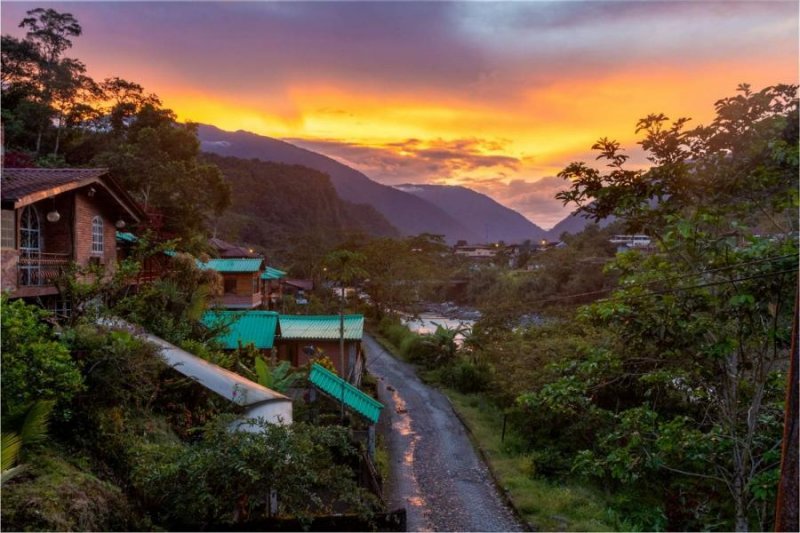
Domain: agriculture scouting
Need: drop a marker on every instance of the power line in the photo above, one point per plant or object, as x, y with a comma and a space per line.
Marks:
668, 280
700, 286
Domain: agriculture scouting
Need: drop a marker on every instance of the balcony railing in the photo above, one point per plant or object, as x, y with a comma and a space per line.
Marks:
37, 269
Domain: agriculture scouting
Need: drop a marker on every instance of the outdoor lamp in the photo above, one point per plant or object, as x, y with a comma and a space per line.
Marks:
53, 216
119, 224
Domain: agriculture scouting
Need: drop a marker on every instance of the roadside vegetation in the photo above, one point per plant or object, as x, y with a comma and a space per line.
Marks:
657, 376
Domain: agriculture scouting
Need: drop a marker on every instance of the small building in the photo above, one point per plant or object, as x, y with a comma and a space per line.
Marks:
304, 337
255, 328
477, 251
54, 217
241, 280
271, 287
227, 250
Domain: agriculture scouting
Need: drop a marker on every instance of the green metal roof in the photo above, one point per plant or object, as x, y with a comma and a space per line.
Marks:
341, 390
233, 265
273, 273
125, 236
321, 327
248, 327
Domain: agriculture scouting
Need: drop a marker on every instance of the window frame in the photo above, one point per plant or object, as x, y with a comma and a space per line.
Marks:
98, 236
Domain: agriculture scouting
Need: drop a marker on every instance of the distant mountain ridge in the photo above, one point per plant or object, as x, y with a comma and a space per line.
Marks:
482, 215
408, 213
574, 224
273, 204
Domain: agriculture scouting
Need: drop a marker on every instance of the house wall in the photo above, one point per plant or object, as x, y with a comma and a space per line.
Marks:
9, 257
85, 210
292, 350
56, 236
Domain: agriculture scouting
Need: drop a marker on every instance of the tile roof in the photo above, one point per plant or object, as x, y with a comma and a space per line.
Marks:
20, 182
320, 327
340, 390
232, 265
246, 327
273, 273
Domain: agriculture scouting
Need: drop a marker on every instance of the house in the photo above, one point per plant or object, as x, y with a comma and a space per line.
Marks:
477, 251
241, 280
54, 217
299, 289
152, 267
271, 287
227, 250
297, 339
304, 337
255, 328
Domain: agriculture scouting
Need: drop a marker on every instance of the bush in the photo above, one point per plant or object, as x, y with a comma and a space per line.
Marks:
467, 377
36, 366
229, 476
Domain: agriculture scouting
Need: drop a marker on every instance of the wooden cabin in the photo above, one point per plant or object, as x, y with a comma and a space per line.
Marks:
241, 280
304, 337
272, 288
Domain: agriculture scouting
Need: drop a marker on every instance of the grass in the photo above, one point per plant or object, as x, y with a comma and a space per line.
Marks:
544, 504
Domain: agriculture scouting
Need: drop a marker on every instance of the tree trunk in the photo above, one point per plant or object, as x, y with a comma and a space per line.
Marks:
786, 508
740, 501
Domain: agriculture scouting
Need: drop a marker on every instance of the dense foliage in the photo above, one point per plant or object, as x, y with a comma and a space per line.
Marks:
55, 115
273, 205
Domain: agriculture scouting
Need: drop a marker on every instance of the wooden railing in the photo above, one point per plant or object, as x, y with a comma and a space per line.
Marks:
37, 269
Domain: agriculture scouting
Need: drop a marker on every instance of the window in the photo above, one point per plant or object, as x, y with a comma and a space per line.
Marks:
97, 236
230, 285
30, 245
8, 225
29, 231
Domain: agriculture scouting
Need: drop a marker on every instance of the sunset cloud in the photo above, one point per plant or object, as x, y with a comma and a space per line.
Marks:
497, 96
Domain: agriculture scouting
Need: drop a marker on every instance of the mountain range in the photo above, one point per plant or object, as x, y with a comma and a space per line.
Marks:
456, 212
485, 217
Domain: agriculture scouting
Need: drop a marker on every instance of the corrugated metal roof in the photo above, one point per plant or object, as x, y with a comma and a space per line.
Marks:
342, 391
273, 273
246, 327
321, 327
233, 265
125, 236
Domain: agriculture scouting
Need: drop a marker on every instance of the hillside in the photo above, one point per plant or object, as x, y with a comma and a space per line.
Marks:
274, 203
574, 224
488, 219
410, 214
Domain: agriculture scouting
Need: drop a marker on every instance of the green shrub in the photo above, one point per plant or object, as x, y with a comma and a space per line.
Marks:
35, 365
467, 377
228, 476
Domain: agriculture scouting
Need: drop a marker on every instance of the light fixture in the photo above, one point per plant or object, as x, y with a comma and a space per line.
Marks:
53, 216
91, 192
119, 224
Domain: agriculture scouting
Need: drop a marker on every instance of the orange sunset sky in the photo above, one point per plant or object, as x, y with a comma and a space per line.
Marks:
497, 96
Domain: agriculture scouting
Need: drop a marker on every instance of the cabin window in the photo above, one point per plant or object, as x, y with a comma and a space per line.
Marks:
30, 234
8, 225
230, 285
97, 235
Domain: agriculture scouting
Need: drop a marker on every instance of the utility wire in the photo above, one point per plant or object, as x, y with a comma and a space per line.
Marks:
668, 280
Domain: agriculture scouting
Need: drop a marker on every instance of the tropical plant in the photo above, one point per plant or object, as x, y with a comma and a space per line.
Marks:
32, 431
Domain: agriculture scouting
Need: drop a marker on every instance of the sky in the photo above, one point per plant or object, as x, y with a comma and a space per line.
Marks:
496, 96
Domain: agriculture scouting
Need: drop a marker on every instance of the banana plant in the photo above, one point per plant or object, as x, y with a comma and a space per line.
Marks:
13, 443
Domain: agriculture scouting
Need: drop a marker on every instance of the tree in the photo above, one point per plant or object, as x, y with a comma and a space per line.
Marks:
694, 375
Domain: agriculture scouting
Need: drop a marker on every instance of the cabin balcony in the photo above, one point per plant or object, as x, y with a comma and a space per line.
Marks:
41, 269
241, 301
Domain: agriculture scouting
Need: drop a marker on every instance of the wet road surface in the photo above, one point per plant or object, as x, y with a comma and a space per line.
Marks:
435, 473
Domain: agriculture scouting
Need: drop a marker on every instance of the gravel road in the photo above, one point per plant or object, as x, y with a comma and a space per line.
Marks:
435, 474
